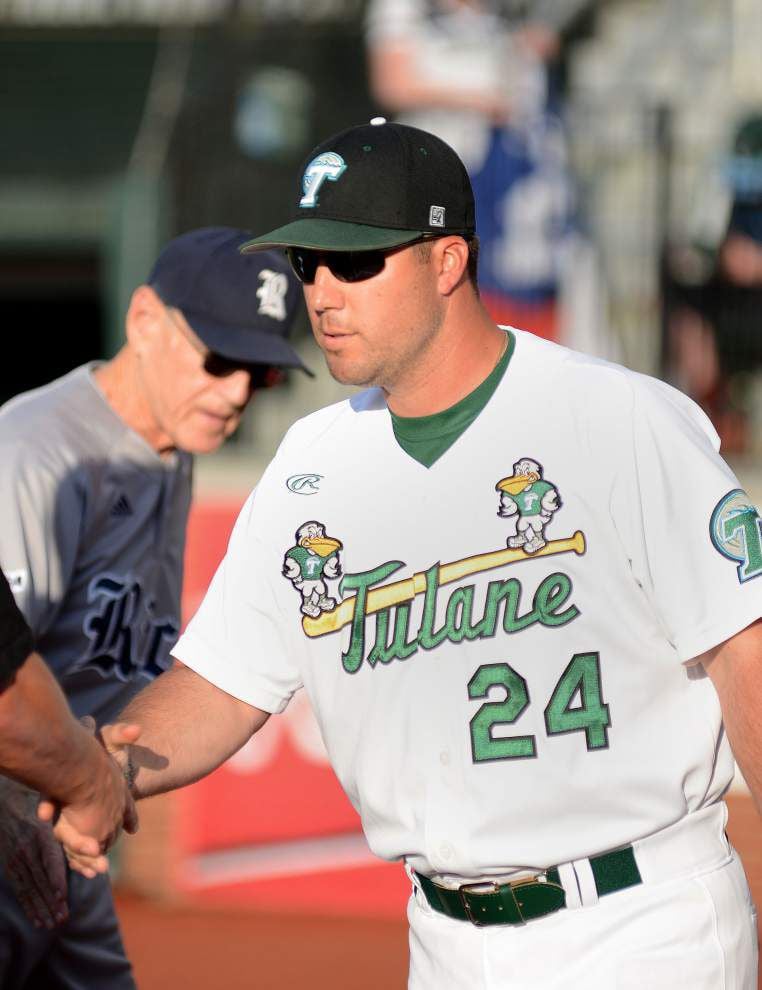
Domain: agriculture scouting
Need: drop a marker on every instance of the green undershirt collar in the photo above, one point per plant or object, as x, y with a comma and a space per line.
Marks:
426, 438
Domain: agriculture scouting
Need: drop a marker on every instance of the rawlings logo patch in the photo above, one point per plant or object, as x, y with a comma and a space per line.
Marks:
304, 484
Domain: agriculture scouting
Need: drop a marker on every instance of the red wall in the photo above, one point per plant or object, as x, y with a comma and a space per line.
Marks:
272, 827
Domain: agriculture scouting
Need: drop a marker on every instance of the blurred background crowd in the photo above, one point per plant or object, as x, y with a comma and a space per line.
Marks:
615, 148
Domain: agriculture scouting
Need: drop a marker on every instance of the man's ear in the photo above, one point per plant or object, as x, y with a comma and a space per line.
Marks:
144, 317
451, 254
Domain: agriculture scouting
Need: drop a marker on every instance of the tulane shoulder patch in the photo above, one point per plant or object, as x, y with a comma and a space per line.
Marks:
736, 531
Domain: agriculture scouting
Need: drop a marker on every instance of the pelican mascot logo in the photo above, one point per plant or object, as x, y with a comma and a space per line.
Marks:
529, 502
307, 565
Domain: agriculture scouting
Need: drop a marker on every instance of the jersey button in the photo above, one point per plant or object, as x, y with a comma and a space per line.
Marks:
446, 850
444, 758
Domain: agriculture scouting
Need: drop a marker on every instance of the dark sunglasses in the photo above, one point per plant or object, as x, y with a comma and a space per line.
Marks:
261, 375
346, 266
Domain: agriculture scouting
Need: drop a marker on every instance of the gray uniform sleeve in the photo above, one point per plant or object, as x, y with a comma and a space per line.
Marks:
42, 505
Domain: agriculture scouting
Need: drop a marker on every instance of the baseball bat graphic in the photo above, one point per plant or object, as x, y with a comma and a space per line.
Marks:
406, 589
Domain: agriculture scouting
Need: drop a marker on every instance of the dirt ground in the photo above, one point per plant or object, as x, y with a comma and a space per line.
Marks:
196, 948
221, 949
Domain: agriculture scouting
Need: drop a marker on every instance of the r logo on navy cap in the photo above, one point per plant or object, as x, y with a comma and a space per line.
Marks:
241, 306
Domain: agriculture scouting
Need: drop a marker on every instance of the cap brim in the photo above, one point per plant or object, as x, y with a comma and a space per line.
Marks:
331, 235
245, 344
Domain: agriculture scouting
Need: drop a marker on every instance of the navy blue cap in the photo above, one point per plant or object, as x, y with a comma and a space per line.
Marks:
241, 306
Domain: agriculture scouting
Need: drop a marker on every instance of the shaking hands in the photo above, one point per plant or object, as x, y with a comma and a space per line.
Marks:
100, 805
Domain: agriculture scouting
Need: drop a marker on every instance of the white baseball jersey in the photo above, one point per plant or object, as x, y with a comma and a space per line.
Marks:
490, 707
92, 540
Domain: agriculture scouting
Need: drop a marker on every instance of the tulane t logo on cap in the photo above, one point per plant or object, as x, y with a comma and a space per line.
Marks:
329, 165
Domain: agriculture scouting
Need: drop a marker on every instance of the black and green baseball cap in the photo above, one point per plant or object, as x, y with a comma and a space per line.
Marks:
379, 185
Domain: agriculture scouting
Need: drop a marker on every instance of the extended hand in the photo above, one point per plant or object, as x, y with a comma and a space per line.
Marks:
32, 859
90, 824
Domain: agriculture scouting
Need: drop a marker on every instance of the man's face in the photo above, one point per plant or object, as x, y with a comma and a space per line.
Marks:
376, 331
190, 408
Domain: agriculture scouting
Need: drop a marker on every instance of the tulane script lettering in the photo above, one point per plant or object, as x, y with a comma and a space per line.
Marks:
394, 639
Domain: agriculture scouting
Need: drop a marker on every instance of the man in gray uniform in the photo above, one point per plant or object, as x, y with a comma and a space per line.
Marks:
95, 492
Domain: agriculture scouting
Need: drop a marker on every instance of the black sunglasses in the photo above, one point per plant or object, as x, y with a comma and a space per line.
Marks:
346, 266
261, 375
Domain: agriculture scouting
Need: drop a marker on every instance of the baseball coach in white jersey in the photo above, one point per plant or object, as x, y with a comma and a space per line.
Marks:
95, 492
523, 599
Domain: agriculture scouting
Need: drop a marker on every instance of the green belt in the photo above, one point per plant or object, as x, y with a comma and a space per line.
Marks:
518, 901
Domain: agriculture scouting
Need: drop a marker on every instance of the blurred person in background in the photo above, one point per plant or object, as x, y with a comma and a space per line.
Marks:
715, 301
95, 491
476, 73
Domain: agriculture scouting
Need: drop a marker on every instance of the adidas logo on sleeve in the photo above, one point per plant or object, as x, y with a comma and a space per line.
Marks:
121, 507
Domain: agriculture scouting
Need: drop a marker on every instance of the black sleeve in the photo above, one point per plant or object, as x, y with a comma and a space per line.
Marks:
15, 635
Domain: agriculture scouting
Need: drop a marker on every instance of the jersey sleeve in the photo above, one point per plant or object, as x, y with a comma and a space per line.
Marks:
236, 638
42, 504
15, 635
665, 504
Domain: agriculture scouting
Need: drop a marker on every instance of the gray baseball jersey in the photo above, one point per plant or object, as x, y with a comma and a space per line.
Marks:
92, 540
92, 544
